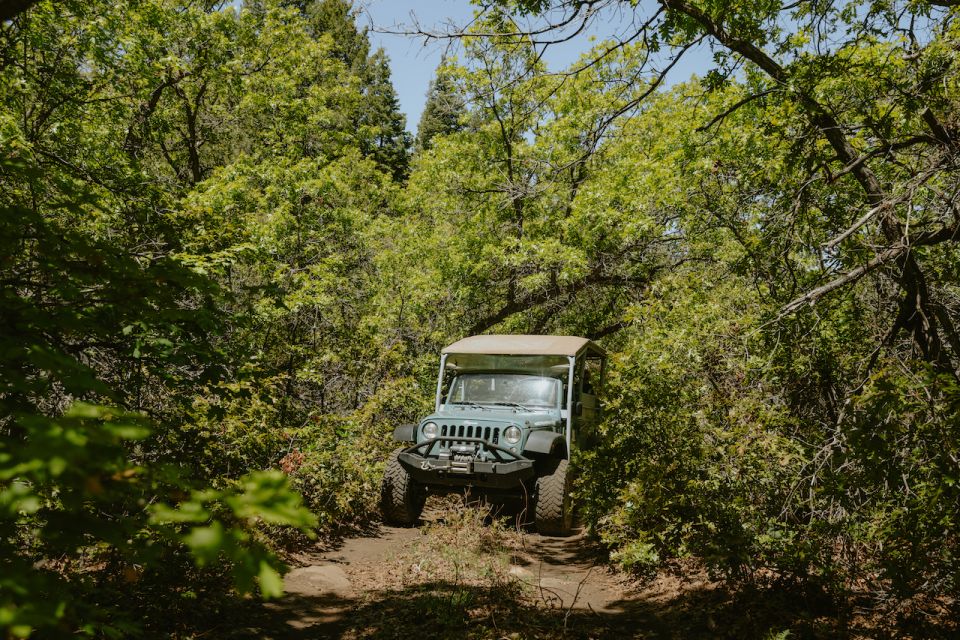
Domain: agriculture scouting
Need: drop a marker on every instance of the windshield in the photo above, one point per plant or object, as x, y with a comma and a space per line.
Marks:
506, 389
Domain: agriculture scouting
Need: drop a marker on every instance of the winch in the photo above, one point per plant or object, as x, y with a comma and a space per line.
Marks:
462, 456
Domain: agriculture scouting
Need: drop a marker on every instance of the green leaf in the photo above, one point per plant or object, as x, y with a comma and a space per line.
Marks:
206, 543
271, 583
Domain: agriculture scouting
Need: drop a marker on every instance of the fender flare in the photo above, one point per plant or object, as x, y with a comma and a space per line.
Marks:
546, 443
405, 433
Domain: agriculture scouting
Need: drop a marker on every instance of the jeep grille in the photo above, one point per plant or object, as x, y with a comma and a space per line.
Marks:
490, 434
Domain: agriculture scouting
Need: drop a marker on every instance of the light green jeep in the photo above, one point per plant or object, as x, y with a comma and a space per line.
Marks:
509, 410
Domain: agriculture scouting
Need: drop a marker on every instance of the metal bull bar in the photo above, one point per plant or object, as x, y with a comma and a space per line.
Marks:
506, 469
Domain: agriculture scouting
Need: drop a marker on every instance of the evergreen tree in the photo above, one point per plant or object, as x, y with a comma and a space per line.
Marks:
380, 125
339, 18
387, 141
443, 112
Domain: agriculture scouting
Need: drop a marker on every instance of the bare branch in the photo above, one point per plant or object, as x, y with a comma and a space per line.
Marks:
811, 297
458, 33
895, 146
740, 103
856, 225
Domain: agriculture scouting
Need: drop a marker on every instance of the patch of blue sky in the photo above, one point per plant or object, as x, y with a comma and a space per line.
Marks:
414, 59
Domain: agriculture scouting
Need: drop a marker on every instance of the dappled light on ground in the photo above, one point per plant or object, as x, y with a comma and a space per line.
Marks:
501, 582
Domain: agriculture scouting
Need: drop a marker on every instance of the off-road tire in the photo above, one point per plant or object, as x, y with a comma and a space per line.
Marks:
554, 511
401, 498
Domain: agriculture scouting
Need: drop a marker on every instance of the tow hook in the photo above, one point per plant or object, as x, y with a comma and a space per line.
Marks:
425, 465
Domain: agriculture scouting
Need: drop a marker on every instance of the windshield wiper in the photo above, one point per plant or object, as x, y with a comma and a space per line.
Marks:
467, 403
512, 404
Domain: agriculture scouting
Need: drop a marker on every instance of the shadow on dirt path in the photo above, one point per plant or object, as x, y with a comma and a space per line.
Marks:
389, 583
465, 574
556, 587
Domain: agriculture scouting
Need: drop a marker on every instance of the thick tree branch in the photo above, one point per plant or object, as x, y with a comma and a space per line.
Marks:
744, 47
811, 297
939, 131
864, 219
134, 140
543, 296
720, 117
610, 329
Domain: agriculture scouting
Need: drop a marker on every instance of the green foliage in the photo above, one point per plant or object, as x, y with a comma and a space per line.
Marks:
382, 124
376, 118
902, 442
69, 492
337, 462
182, 183
216, 260
198, 522
338, 19
60, 489
444, 111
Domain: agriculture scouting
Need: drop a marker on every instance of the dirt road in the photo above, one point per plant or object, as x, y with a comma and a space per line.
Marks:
460, 577
463, 575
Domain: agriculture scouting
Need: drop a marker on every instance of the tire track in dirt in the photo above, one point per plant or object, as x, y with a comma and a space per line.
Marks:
562, 570
377, 586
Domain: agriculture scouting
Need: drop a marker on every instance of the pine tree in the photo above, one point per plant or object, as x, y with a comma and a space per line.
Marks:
443, 112
339, 18
380, 124
389, 141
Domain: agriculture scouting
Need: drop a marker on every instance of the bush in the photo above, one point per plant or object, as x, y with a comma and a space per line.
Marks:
337, 462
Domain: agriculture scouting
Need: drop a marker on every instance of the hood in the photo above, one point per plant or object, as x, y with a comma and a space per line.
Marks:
541, 419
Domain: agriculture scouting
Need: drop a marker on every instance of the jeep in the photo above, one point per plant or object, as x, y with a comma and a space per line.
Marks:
508, 411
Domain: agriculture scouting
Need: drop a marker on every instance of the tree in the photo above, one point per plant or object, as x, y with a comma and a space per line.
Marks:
516, 199
14, 8
378, 120
383, 125
119, 317
338, 19
815, 187
444, 111
865, 141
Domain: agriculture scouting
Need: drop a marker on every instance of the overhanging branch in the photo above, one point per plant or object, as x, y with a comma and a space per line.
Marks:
811, 297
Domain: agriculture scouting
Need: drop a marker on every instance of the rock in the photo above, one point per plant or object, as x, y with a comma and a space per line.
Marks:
317, 579
520, 572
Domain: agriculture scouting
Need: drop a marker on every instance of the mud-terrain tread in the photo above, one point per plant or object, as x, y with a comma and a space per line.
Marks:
553, 490
401, 500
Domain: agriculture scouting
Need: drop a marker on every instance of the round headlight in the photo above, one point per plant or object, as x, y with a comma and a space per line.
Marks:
430, 430
512, 435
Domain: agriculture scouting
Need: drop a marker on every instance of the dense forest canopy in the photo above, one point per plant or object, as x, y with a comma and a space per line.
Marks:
227, 270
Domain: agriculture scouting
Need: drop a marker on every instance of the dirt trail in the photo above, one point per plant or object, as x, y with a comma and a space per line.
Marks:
387, 585
461, 576
562, 568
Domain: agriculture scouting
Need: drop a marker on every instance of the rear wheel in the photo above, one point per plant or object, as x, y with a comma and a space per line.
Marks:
401, 498
554, 511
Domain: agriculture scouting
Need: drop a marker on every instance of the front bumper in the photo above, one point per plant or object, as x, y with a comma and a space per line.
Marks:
506, 471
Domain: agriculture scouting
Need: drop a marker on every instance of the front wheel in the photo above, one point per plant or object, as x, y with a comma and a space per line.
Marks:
554, 511
401, 498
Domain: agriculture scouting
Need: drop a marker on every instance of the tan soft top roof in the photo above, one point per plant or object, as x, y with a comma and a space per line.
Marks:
523, 345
